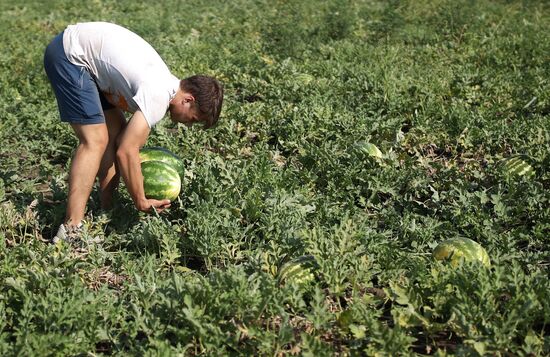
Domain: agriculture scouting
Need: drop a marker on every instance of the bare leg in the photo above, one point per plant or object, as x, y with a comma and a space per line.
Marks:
84, 168
108, 174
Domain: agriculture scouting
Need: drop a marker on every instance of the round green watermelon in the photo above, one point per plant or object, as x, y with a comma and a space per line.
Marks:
457, 249
164, 155
298, 271
160, 180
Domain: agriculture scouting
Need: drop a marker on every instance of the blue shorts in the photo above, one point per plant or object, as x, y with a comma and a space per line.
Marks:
79, 99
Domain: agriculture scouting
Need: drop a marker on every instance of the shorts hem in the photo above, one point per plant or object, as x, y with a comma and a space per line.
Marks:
84, 121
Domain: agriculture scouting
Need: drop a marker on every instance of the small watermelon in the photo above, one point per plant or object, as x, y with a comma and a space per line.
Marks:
516, 166
160, 180
456, 249
299, 271
164, 155
369, 149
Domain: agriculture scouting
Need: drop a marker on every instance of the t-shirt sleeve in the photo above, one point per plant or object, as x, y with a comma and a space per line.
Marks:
153, 103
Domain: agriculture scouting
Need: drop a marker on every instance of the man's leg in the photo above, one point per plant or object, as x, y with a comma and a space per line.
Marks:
108, 174
84, 168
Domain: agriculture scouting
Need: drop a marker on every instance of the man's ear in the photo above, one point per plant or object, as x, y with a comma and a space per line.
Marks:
188, 97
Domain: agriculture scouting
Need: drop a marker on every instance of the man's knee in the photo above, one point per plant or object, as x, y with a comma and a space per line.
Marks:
92, 137
98, 142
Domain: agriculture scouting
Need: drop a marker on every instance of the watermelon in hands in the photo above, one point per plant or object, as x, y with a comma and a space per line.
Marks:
160, 180
164, 155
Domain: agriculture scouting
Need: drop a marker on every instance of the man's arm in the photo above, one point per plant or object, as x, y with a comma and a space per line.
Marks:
130, 141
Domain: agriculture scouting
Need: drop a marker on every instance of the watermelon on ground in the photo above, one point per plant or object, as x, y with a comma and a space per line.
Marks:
160, 180
370, 149
164, 155
298, 271
517, 166
457, 249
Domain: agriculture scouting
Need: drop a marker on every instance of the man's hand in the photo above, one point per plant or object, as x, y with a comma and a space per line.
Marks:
148, 205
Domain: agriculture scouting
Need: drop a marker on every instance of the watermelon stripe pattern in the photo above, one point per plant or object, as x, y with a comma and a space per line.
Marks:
164, 155
516, 166
298, 271
160, 180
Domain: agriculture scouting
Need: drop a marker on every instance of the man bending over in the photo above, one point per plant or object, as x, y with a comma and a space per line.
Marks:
98, 71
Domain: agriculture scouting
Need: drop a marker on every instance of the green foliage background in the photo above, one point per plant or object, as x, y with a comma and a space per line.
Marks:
446, 89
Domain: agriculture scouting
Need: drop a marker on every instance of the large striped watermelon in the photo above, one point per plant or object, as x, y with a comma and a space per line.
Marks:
164, 155
160, 180
457, 249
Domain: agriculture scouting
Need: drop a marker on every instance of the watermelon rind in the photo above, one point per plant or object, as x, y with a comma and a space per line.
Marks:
156, 153
160, 180
456, 250
298, 271
370, 149
516, 166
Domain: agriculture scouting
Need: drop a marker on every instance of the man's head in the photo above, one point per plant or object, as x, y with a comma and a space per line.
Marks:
199, 99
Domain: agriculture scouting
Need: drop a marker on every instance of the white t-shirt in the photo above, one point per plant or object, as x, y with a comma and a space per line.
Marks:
128, 71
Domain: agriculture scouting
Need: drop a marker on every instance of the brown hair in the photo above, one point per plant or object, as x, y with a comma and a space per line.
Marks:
208, 93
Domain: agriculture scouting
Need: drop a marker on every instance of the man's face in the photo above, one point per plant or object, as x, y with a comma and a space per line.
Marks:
184, 111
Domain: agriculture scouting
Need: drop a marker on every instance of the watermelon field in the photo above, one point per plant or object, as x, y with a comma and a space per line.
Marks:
356, 135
